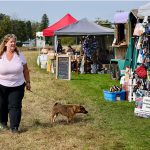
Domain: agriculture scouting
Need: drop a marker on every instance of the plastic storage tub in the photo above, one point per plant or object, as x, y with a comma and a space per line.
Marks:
114, 96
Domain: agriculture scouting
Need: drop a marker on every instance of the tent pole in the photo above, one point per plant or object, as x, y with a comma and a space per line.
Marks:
39, 46
55, 43
76, 40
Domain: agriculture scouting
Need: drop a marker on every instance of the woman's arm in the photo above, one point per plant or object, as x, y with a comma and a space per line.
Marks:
27, 76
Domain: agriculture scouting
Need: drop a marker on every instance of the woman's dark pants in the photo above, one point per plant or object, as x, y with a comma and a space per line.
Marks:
11, 103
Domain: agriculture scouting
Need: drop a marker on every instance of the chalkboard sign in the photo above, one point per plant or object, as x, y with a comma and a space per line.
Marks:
63, 67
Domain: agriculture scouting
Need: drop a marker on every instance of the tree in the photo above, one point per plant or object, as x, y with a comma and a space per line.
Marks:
14, 26
29, 30
68, 40
22, 34
44, 22
2, 16
5, 25
20, 30
104, 23
35, 28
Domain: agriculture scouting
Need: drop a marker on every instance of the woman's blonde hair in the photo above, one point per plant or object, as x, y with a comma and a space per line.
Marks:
4, 41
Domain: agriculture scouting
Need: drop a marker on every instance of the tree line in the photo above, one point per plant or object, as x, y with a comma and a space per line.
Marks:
24, 30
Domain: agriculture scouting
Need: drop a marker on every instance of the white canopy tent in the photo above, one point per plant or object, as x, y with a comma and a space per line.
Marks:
144, 10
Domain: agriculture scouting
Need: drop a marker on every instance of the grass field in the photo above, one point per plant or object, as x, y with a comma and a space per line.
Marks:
107, 126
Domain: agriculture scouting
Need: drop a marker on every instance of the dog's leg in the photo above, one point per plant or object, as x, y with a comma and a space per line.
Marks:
69, 119
54, 115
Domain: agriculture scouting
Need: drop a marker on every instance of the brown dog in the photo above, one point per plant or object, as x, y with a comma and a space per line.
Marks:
66, 110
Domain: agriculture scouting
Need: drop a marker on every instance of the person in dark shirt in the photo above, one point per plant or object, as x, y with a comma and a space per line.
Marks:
59, 47
70, 49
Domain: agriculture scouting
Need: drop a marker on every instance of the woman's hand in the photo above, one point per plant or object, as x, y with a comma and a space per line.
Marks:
28, 86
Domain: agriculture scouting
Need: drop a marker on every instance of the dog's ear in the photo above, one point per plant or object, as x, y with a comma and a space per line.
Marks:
81, 107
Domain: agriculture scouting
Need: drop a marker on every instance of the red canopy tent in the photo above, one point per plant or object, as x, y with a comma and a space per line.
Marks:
66, 20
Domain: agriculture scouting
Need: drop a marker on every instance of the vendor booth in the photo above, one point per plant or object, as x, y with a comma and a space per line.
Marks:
102, 35
123, 43
69, 26
47, 56
132, 59
65, 21
141, 84
131, 45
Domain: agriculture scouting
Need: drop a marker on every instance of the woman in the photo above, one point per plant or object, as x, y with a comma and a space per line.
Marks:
59, 47
14, 76
71, 50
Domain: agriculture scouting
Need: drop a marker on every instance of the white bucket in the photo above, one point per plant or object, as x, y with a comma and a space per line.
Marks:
43, 61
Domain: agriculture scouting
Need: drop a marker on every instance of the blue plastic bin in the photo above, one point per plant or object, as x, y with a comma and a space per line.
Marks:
114, 96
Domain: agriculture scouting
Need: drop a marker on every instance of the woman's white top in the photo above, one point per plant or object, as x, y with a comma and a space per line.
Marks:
11, 71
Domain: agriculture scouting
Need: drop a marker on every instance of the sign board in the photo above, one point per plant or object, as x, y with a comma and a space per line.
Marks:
63, 67
142, 107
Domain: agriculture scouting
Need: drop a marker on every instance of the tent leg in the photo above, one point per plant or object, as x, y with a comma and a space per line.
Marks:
55, 43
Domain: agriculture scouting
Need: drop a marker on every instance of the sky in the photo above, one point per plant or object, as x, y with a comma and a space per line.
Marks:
55, 10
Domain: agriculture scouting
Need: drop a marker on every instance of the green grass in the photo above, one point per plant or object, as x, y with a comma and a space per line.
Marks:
107, 126
118, 116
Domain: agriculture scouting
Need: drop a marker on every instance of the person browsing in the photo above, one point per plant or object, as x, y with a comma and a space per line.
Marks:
71, 50
14, 76
59, 46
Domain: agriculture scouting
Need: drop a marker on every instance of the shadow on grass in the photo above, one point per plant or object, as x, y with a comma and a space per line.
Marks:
81, 121
36, 124
76, 120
